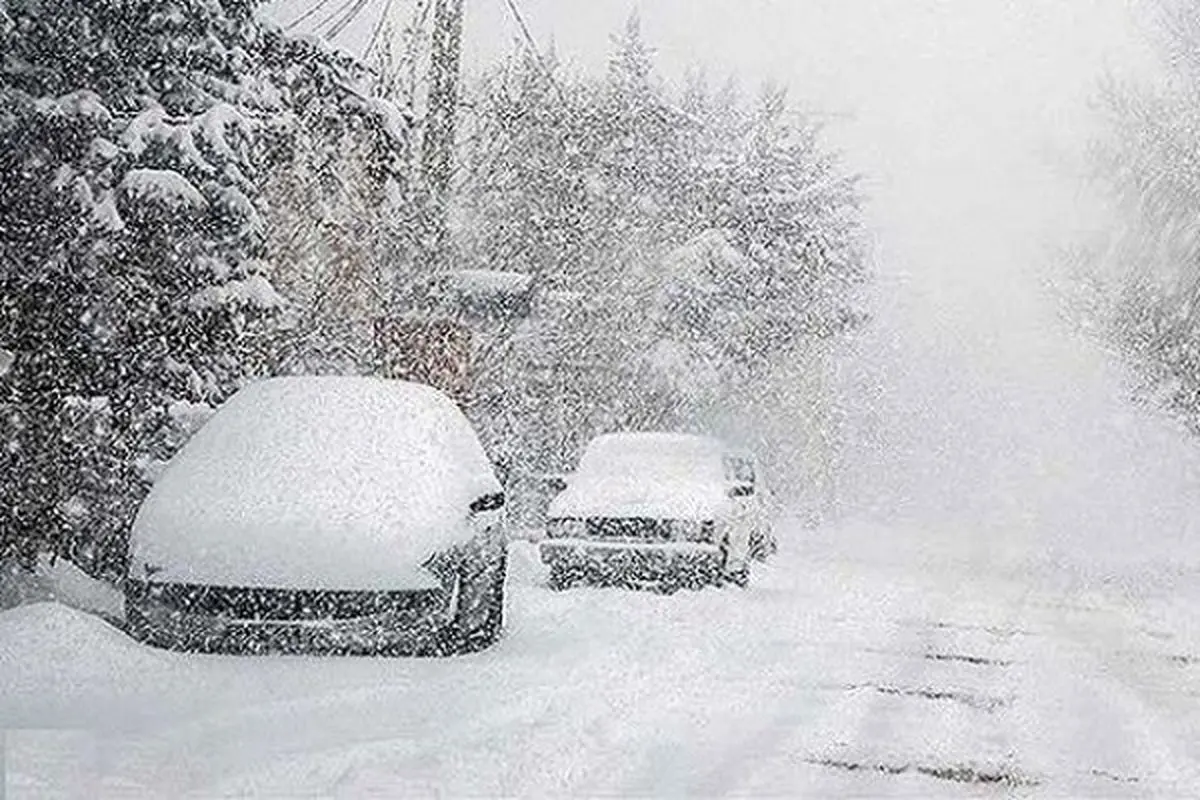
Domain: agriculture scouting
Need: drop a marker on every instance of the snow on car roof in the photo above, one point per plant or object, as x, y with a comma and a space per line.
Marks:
312, 482
660, 475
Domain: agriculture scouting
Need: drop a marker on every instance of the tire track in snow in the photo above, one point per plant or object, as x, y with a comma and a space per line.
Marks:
869, 738
1114, 730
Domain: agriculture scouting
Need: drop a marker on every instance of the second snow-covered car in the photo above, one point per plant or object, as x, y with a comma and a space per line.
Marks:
662, 508
335, 515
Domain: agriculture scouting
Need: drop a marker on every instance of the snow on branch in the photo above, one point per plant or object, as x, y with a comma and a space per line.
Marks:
105, 214
143, 129
255, 291
218, 123
163, 187
82, 105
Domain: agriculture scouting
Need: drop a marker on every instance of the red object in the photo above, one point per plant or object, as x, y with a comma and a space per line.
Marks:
434, 352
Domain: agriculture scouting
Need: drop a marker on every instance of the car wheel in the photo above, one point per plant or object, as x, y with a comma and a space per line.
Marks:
739, 576
561, 577
137, 626
669, 588
758, 546
479, 615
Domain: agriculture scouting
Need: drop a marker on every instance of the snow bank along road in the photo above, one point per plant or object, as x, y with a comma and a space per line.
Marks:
856, 665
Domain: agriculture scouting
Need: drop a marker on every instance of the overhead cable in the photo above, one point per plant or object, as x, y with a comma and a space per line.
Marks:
316, 7
533, 48
379, 26
351, 15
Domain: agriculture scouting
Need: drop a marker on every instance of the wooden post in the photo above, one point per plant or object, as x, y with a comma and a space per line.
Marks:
437, 157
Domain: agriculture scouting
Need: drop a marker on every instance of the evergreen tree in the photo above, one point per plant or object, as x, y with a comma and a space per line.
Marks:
133, 237
685, 243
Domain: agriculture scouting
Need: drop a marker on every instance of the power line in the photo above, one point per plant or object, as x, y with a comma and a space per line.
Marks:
316, 7
353, 13
533, 48
333, 15
383, 19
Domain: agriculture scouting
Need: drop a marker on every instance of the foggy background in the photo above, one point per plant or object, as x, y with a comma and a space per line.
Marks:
964, 118
969, 122
970, 406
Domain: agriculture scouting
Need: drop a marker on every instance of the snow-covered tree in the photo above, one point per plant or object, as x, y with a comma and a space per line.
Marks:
686, 241
1146, 273
135, 140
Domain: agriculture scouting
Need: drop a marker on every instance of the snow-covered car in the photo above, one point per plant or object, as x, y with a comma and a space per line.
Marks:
338, 515
662, 508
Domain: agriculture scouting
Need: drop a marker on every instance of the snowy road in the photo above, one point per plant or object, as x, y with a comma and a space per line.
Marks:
854, 666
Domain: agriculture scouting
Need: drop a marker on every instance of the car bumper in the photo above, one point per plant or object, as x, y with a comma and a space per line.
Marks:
386, 634
624, 561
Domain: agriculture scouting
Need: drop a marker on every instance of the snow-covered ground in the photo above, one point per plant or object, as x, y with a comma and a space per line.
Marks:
859, 663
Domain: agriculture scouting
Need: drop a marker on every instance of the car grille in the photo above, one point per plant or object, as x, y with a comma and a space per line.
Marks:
254, 603
638, 529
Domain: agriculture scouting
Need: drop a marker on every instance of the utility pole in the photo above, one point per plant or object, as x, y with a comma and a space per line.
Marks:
437, 156
436, 351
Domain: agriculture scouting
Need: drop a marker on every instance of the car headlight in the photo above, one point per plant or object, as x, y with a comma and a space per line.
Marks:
566, 529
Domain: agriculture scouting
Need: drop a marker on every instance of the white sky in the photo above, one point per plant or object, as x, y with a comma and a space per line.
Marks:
968, 118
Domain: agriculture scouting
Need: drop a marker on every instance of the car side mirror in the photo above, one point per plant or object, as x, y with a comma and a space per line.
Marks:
741, 490
487, 502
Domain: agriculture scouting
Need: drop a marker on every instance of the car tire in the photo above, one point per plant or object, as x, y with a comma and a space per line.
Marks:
137, 626
561, 578
141, 628
479, 618
740, 576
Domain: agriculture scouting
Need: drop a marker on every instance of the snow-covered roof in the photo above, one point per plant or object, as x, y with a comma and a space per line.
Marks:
660, 475
347, 483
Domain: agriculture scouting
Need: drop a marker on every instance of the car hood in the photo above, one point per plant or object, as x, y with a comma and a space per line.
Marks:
627, 497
